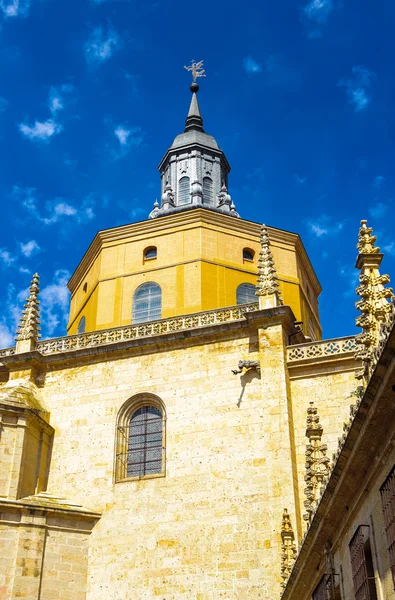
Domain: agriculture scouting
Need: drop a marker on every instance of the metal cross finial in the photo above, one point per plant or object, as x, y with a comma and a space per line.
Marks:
197, 69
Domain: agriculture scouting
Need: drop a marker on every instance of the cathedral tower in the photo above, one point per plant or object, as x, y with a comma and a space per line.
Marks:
194, 253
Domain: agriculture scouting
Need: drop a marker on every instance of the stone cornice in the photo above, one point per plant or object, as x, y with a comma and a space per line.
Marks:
46, 503
363, 441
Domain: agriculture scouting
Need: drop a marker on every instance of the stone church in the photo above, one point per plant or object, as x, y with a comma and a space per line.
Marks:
193, 437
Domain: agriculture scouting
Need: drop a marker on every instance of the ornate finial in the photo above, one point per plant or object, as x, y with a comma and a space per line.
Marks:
377, 301
317, 463
267, 277
288, 548
197, 70
366, 240
29, 324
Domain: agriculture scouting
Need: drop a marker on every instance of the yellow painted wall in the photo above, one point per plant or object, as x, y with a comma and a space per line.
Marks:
199, 266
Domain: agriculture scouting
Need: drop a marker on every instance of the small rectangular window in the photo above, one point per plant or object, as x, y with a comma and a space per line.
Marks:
387, 492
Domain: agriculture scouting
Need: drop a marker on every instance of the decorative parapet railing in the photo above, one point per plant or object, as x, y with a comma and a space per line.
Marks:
7, 352
144, 330
335, 347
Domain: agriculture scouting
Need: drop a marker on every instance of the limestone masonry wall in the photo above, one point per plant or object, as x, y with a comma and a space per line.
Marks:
210, 528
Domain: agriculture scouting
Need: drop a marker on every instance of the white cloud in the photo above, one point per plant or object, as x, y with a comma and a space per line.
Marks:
15, 8
55, 303
378, 182
318, 230
390, 248
3, 104
122, 134
6, 337
56, 210
59, 210
251, 66
25, 196
41, 131
6, 257
30, 248
378, 210
357, 87
128, 137
323, 226
352, 280
300, 179
100, 46
56, 100
318, 10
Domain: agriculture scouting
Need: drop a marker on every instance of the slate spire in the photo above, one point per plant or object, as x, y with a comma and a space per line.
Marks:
194, 119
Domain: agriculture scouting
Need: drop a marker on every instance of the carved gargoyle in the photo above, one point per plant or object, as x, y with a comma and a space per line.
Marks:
247, 364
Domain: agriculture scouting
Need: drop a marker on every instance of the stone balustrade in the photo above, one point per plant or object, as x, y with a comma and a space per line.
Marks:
323, 348
144, 330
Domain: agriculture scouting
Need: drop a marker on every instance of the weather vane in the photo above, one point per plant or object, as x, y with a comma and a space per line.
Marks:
196, 69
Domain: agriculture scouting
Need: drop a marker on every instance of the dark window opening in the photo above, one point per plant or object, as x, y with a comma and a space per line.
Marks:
150, 252
85, 288
248, 254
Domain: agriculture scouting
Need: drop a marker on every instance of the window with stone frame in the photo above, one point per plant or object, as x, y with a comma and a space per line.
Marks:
362, 565
147, 303
140, 444
245, 293
387, 492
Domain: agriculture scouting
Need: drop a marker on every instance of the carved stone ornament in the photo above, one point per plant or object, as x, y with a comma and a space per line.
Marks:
267, 277
376, 304
168, 196
247, 364
288, 548
317, 463
29, 324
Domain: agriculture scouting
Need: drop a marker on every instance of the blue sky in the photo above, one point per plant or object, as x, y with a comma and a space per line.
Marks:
299, 95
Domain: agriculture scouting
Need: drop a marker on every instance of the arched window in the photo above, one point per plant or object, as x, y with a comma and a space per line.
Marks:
245, 293
150, 252
82, 325
208, 190
184, 192
140, 438
248, 254
147, 303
